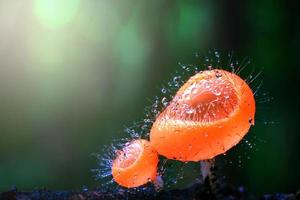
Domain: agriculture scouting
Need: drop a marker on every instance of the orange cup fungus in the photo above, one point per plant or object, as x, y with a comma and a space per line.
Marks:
135, 164
209, 114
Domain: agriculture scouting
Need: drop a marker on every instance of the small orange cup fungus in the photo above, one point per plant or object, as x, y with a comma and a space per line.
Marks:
135, 164
209, 114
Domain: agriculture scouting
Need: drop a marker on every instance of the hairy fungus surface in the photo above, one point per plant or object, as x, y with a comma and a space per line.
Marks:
208, 115
135, 164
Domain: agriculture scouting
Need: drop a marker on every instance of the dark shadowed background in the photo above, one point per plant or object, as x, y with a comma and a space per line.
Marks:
74, 73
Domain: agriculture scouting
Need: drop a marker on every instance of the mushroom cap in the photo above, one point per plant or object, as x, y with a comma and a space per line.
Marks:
209, 114
135, 164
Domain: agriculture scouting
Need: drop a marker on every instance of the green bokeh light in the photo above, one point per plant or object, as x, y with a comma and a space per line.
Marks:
189, 24
55, 13
132, 45
132, 48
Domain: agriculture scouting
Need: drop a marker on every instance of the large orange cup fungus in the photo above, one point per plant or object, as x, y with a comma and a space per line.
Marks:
135, 164
209, 114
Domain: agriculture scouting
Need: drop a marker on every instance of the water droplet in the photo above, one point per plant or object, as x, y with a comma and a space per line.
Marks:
186, 97
144, 127
251, 121
190, 111
85, 188
176, 78
147, 120
164, 101
194, 90
217, 93
217, 54
209, 67
164, 90
183, 66
177, 131
176, 81
218, 74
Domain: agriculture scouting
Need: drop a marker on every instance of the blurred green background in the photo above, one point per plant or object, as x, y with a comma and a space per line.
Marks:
74, 73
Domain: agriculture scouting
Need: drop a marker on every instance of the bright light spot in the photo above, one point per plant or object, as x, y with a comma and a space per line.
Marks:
55, 13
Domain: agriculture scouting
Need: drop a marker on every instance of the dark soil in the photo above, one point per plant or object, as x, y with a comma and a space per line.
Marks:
202, 191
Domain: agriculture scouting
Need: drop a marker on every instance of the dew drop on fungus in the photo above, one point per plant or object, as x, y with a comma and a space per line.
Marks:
85, 188
164, 90
218, 74
164, 101
251, 121
176, 79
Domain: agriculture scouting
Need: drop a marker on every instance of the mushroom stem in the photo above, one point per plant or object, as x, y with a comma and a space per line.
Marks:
158, 183
206, 168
